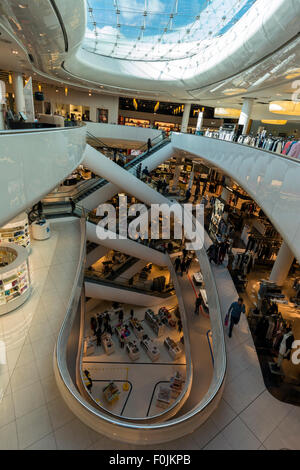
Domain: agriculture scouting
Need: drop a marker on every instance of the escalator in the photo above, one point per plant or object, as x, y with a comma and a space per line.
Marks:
98, 189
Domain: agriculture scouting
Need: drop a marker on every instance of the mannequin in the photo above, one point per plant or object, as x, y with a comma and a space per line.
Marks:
285, 346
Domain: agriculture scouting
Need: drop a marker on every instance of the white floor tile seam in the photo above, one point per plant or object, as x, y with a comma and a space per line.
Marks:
36, 442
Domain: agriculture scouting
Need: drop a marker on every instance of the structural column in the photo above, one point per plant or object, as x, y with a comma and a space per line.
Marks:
246, 114
185, 117
19, 93
282, 265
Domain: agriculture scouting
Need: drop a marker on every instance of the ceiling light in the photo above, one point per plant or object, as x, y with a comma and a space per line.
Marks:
276, 122
227, 113
289, 108
15, 52
234, 91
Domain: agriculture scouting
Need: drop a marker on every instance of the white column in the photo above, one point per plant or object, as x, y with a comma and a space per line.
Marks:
2, 103
179, 161
199, 122
246, 114
19, 93
185, 117
282, 265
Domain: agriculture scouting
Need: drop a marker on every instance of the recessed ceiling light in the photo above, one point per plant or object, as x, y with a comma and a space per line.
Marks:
15, 52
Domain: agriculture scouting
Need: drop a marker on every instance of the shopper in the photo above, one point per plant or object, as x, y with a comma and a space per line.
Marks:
40, 209
183, 267
164, 186
179, 326
99, 321
159, 185
212, 253
234, 314
188, 264
187, 194
145, 171
149, 145
138, 171
223, 250
93, 325
177, 263
196, 193
198, 304
89, 378
184, 253
122, 341
121, 316
98, 335
73, 205
131, 313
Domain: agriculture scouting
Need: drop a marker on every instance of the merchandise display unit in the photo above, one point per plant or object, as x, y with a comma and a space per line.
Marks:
15, 284
17, 231
142, 361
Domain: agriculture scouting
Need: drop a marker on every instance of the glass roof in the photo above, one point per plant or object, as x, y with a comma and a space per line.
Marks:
158, 29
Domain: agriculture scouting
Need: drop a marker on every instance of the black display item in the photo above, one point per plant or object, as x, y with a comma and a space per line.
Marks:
39, 96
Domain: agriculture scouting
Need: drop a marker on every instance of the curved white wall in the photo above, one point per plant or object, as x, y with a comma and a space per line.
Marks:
270, 179
129, 134
32, 163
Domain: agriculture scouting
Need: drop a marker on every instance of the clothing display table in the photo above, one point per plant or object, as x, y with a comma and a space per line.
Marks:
89, 346
41, 230
111, 393
173, 348
107, 343
133, 350
198, 278
137, 328
154, 321
150, 348
123, 332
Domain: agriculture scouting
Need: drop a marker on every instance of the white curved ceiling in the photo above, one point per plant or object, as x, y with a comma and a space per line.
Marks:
256, 55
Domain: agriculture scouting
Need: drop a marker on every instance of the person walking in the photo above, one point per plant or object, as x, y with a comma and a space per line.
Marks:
73, 205
149, 145
188, 264
197, 192
234, 314
182, 267
99, 321
188, 194
177, 263
198, 304
98, 335
93, 325
179, 326
121, 316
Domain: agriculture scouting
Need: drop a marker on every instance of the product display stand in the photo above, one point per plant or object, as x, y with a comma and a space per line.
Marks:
133, 350
154, 322
111, 393
41, 230
17, 231
137, 328
107, 343
150, 348
173, 348
15, 285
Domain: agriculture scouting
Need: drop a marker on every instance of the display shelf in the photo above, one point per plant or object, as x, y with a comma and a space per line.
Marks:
14, 277
17, 231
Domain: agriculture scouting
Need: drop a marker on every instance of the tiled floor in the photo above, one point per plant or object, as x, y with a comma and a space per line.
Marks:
33, 415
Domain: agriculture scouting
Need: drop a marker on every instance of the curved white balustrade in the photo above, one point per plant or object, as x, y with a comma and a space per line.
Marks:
272, 180
136, 136
34, 162
128, 431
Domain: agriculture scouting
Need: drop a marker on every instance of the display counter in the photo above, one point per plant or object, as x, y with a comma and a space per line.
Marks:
17, 231
41, 229
15, 283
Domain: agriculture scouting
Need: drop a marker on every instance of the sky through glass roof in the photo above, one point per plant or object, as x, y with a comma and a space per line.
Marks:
158, 29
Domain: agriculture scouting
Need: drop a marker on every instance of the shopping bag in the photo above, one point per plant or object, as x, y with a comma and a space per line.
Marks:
226, 319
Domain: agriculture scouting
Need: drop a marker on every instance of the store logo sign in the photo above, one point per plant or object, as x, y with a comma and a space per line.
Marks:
157, 222
296, 354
